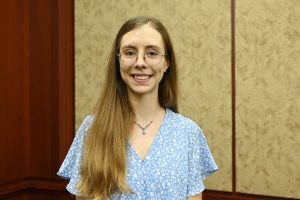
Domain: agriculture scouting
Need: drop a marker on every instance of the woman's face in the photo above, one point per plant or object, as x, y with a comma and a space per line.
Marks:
142, 60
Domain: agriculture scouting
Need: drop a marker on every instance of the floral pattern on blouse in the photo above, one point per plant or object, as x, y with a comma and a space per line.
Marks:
176, 164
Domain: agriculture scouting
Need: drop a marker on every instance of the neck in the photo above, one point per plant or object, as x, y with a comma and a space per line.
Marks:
145, 107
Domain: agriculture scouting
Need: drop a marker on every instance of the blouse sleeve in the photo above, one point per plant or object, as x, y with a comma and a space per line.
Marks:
70, 168
201, 162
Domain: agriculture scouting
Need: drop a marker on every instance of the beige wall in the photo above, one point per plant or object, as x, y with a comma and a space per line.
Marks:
268, 97
267, 79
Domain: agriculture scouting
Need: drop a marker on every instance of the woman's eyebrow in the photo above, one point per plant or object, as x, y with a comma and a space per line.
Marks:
147, 47
128, 47
153, 47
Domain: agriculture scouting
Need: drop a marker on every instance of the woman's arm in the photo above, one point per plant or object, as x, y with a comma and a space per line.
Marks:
196, 197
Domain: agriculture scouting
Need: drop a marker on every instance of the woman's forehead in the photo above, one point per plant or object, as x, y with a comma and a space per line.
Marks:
142, 37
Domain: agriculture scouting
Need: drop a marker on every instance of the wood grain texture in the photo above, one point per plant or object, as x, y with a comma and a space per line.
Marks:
37, 104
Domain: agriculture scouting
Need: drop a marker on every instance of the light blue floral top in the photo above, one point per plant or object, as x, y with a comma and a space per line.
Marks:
174, 168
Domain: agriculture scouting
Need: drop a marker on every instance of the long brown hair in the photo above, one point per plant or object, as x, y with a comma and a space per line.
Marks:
104, 165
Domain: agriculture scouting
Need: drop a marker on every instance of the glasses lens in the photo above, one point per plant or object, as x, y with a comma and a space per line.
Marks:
153, 60
150, 59
127, 60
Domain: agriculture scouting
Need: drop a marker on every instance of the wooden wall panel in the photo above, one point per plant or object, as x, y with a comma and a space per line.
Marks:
37, 103
14, 116
43, 86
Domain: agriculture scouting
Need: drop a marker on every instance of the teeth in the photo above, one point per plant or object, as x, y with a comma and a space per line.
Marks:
141, 77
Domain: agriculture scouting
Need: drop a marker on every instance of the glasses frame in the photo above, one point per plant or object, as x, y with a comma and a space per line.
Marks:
144, 56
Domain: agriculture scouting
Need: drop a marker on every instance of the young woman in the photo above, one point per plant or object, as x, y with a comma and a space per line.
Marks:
136, 145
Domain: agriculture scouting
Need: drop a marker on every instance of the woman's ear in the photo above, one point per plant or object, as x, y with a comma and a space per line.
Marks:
166, 65
166, 68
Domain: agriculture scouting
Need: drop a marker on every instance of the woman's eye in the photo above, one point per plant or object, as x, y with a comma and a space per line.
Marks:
151, 53
129, 53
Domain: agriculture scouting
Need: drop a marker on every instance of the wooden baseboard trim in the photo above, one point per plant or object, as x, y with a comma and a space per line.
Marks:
30, 183
218, 195
57, 187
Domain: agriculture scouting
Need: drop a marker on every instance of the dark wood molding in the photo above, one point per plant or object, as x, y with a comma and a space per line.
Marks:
38, 194
218, 195
66, 76
32, 183
233, 95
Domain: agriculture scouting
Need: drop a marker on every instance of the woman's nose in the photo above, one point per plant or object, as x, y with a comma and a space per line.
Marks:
141, 60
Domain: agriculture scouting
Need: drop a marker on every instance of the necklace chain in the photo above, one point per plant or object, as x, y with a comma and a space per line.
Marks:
147, 125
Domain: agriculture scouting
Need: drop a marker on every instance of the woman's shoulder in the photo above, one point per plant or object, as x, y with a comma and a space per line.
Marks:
85, 125
181, 120
88, 119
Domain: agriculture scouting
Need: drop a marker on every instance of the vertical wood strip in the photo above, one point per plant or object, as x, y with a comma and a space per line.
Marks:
233, 92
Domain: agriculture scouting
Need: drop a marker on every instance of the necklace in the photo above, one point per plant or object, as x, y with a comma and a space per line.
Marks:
147, 125
143, 128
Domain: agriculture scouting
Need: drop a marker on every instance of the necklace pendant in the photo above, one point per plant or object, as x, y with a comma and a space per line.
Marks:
143, 131
143, 128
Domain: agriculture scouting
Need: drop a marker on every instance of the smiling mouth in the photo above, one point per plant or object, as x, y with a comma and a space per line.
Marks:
141, 77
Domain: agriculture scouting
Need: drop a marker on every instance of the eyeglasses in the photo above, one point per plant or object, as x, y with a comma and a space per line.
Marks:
151, 57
